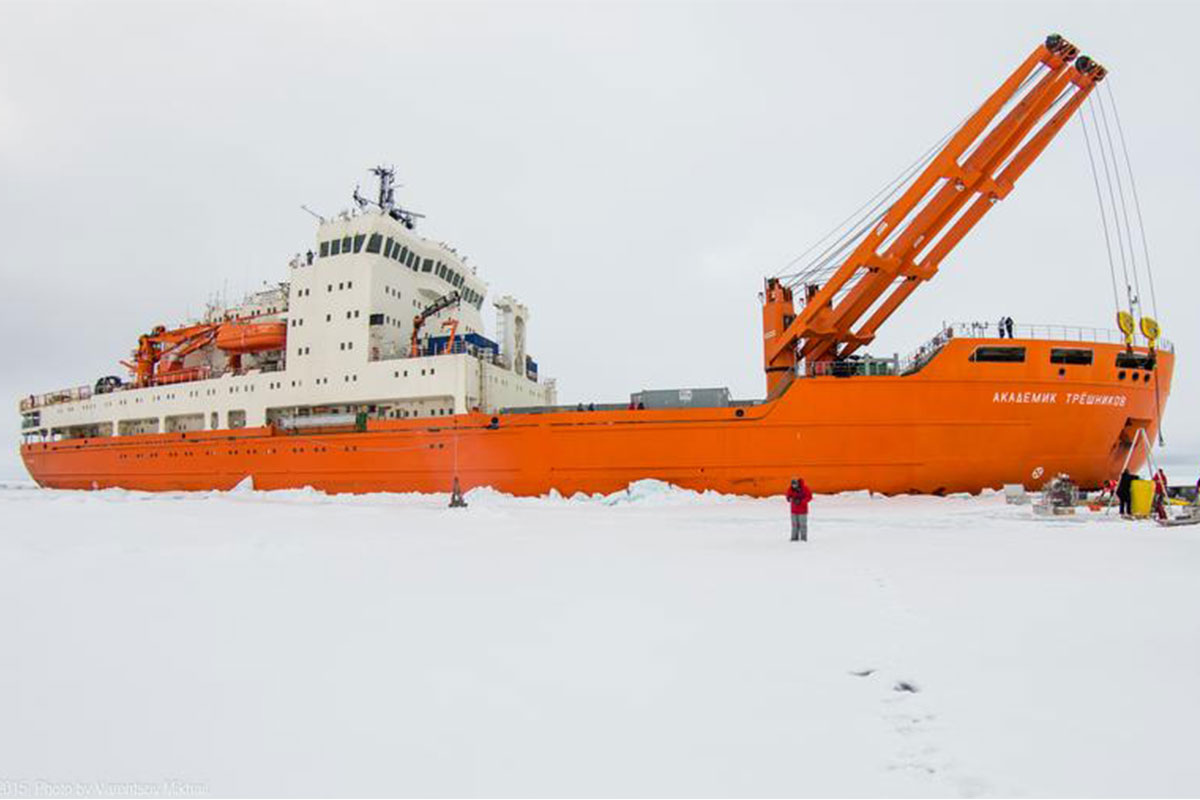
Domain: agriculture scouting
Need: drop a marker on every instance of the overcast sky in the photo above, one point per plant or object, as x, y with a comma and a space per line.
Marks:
630, 170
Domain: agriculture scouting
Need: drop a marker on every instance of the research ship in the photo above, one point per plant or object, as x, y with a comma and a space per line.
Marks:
369, 368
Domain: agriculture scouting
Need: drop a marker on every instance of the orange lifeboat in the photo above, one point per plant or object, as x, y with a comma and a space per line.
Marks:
251, 337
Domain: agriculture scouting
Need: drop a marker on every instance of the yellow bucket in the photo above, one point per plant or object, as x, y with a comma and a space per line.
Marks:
1141, 497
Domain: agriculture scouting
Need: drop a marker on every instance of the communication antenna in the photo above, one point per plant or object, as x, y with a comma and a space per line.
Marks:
315, 214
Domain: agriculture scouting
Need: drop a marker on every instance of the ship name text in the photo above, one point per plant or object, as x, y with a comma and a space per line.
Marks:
1069, 398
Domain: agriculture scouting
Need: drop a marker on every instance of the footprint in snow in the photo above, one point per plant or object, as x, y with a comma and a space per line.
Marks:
862, 673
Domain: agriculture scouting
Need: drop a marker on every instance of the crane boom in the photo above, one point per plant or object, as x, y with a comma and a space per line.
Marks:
443, 302
161, 344
974, 170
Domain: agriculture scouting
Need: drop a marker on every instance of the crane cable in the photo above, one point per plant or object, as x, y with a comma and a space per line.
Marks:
860, 222
1117, 222
1137, 207
1112, 197
1112, 267
1112, 153
1129, 235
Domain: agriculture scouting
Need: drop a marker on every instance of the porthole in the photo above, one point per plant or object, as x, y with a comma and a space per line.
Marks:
1121, 375
741, 412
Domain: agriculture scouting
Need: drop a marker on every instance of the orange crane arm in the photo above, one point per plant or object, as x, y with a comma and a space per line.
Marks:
160, 344
442, 302
201, 336
975, 169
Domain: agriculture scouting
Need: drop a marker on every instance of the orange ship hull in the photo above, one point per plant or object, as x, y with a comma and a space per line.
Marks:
953, 426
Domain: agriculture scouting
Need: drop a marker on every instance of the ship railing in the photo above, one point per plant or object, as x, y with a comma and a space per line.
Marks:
1066, 333
243, 371
895, 365
52, 398
866, 365
202, 373
482, 353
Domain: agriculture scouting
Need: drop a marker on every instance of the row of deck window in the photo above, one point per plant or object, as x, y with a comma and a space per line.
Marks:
1059, 355
390, 248
347, 244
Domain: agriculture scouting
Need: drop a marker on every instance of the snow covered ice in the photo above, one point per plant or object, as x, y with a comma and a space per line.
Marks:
654, 642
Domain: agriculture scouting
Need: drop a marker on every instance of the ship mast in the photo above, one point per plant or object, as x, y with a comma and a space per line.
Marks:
386, 201
976, 168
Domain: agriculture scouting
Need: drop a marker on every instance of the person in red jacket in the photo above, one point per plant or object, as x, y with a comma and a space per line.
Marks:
798, 495
1160, 494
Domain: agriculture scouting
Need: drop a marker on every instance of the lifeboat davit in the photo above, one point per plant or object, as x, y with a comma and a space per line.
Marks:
252, 337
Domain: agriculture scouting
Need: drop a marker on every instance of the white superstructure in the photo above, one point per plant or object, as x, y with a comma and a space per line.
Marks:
349, 306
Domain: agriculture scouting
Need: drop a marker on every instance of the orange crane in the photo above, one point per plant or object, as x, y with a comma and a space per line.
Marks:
162, 345
973, 171
160, 353
452, 324
443, 302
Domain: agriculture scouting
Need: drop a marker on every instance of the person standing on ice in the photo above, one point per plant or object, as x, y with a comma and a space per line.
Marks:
798, 495
1125, 492
1160, 494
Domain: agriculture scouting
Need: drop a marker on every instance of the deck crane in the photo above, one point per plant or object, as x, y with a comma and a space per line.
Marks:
169, 346
160, 353
442, 303
976, 168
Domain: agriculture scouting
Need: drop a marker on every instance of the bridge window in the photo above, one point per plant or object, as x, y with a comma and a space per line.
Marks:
346, 242
335, 247
427, 265
1000, 355
374, 243
358, 241
324, 249
1070, 355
